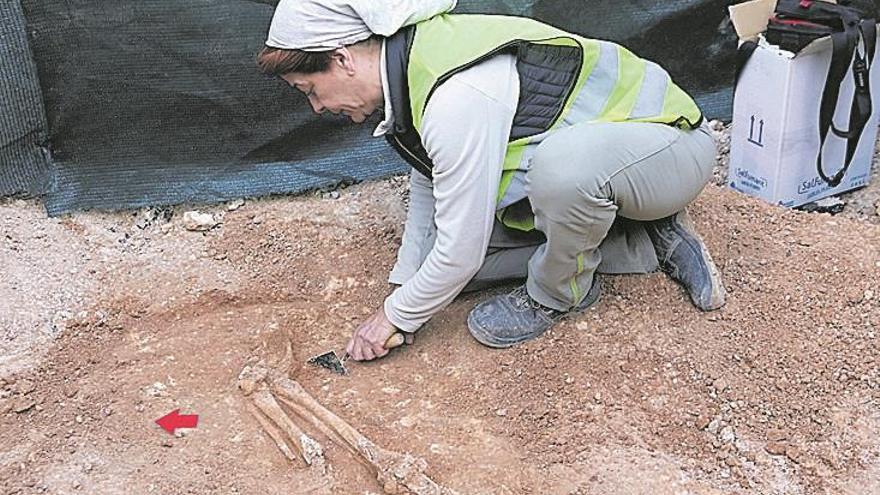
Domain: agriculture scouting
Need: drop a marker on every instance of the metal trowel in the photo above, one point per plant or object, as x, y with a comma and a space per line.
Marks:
336, 364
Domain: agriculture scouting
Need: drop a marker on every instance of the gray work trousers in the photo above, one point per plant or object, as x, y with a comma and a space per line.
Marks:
591, 186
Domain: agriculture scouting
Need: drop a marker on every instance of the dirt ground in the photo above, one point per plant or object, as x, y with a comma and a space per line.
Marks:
111, 320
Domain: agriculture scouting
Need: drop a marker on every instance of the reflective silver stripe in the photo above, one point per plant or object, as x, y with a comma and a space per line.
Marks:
516, 190
593, 96
652, 94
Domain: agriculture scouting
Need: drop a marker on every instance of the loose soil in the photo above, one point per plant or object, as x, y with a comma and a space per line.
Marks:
111, 320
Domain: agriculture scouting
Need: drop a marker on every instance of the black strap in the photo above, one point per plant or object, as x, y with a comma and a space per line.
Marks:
861, 105
403, 137
862, 63
743, 54
845, 51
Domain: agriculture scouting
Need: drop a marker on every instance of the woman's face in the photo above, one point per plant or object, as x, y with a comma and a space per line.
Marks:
347, 87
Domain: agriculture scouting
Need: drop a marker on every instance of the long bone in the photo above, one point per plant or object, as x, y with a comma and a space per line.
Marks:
398, 473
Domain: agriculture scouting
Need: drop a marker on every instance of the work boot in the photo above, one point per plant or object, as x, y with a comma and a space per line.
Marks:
509, 319
685, 258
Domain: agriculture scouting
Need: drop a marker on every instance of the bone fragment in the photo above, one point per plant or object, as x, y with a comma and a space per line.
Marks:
317, 423
251, 378
307, 448
274, 433
306, 405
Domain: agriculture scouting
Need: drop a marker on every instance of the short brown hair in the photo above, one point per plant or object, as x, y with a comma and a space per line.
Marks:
277, 62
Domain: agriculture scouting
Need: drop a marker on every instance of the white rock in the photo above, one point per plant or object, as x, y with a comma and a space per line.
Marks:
727, 435
235, 204
830, 202
714, 425
198, 221
156, 390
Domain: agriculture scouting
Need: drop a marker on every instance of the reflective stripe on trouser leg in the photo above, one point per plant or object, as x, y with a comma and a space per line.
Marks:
561, 270
575, 291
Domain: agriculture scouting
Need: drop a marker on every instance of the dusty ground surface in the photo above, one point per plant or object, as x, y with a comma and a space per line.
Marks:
112, 320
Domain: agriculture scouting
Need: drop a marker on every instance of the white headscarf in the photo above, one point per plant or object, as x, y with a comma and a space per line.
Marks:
319, 25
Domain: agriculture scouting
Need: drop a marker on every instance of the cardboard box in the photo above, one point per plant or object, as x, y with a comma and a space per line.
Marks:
775, 135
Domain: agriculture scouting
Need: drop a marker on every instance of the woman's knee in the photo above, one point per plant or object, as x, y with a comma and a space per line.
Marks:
576, 162
707, 153
554, 180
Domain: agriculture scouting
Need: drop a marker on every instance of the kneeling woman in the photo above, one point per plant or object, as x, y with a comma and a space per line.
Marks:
538, 155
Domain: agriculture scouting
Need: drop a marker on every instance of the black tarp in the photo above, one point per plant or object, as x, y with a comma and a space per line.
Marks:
158, 102
24, 164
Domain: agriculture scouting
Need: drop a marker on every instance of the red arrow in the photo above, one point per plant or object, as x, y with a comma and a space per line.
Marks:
174, 420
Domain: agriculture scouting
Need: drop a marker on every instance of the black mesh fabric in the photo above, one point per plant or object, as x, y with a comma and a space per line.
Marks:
24, 165
160, 102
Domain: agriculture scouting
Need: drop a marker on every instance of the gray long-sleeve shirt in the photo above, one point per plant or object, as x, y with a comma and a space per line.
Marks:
465, 130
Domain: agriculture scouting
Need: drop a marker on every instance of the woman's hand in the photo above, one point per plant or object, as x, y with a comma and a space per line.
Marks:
368, 340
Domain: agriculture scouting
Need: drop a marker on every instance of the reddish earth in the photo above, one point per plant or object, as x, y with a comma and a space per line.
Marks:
113, 320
